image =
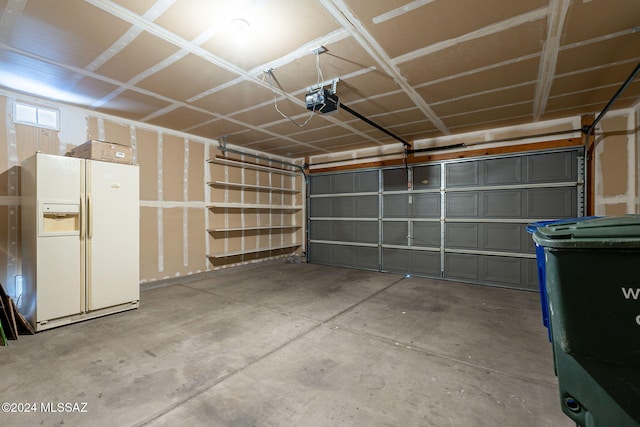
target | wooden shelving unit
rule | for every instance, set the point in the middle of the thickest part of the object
(253, 166)
(265, 202)
(275, 227)
(250, 186)
(253, 206)
(252, 251)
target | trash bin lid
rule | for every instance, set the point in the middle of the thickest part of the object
(531, 228)
(605, 232)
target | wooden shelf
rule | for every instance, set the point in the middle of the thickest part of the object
(270, 199)
(253, 166)
(251, 186)
(274, 227)
(253, 251)
(254, 206)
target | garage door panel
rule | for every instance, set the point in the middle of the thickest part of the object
(461, 266)
(343, 206)
(366, 207)
(365, 181)
(394, 179)
(320, 207)
(552, 203)
(354, 231)
(395, 206)
(349, 182)
(344, 231)
(361, 257)
(320, 230)
(530, 246)
(477, 236)
(462, 204)
(512, 272)
(345, 256)
(320, 184)
(425, 205)
(366, 232)
(421, 263)
(395, 233)
(501, 204)
(503, 171)
(426, 177)
(506, 237)
(530, 275)
(500, 269)
(463, 174)
(395, 260)
(426, 264)
(354, 182)
(342, 183)
(366, 258)
(552, 167)
(461, 236)
(426, 234)
(498, 237)
(320, 253)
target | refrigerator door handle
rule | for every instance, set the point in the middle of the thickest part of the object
(89, 219)
(81, 225)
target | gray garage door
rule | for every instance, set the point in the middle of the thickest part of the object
(462, 220)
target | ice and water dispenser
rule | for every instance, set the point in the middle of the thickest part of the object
(59, 218)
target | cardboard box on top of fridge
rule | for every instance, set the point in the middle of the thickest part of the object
(103, 150)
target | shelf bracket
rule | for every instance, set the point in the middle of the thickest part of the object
(222, 146)
(223, 143)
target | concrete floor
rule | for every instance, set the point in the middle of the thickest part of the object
(295, 345)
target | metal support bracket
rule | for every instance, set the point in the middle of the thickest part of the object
(333, 83)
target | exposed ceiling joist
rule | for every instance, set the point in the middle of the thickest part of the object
(8, 19)
(419, 68)
(166, 35)
(498, 27)
(549, 58)
(302, 51)
(341, 13)
(394, 13)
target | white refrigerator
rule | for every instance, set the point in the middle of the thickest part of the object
(80, 239)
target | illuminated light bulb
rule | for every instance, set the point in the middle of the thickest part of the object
(240, 25)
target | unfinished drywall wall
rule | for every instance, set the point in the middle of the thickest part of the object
(174, 218)
(17, 142)
(172, 238)
(177, 236)
(616, 164)
(392, 154)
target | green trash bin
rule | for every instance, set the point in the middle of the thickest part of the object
(593, 289)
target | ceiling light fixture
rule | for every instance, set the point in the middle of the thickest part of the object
(240, 25)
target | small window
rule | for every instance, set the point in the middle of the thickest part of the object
(36, 116)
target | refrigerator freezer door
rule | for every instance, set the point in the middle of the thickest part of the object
(113, 211)
(59, 291)
(58, 271)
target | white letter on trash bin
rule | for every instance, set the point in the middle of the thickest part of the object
(638, 319)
